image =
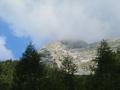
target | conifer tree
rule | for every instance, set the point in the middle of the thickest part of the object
(105, 59)
(28, 71)
(68, 66)
(117, 62)
(105, 67)
(1, 86)
(69, 69)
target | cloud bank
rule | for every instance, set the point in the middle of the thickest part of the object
(88, 20)
(5, 53)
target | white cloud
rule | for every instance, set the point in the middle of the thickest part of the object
(89, 20)
(5, 53)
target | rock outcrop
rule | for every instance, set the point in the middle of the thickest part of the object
(82, 53)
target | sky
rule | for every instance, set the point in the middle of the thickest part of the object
(42, 21)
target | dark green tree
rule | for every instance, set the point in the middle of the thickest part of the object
(1, 85)
(69, 69)
(52, 79)
(116, 75)
(117, 62)
(105, 67)
(68, 66)
(6, 76)
(28, 71)
(105, 59)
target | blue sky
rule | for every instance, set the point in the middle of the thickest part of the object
(17, 45)
(43, 21)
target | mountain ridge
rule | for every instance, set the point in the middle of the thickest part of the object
(82, 52)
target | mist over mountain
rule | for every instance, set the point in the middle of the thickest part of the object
(74, 44)
(82, 52)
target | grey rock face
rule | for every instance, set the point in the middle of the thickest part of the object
(82, 53)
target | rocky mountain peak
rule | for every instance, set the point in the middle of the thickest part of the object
(82, 52)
